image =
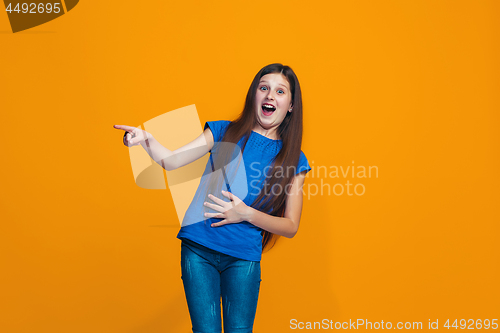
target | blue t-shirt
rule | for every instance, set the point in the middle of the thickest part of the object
(241, 240)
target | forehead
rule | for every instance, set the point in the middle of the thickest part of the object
(275, 78)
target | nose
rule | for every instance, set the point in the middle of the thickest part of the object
(270, 95)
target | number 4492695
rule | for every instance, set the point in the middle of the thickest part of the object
(472, 324)
(33, 8)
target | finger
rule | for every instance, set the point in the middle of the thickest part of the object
(217, 200)
(124, 127)
(125, 139)
(129, 142)
(218, 224)
(134, 143)
(135, 139)
(228, 195)
(234, 199)
(215, 207)
(215, 215)
(139, 136)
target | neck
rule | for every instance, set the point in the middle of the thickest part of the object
(268, 133)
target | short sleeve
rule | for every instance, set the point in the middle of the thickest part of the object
(218, 128)
(303, 164)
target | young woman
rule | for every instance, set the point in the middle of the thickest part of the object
(223, 235)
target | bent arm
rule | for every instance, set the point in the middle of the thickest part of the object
(289, 224)
(171, 160)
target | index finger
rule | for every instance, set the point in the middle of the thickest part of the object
(124, 127)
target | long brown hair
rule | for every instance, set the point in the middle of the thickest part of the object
(289, 131)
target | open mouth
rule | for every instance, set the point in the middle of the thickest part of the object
(268, 109)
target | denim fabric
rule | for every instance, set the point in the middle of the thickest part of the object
(207, 276)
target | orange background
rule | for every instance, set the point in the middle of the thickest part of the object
(408, 86)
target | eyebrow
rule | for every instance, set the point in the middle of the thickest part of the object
(278, 84)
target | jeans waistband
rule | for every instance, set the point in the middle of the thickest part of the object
(190, 243)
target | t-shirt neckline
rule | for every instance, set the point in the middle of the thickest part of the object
(279, 140)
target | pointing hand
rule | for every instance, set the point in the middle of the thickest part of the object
(133, 136)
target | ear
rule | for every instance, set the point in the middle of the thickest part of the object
(290, 108)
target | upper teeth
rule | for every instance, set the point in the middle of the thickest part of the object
(268, 106)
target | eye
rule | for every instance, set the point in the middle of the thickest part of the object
(263, 87)
(281, 91)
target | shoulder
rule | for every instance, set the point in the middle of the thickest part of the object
(217, 127)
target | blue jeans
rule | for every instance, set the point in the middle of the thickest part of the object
(207, 276)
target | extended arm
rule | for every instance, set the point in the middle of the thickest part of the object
(169, 160)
